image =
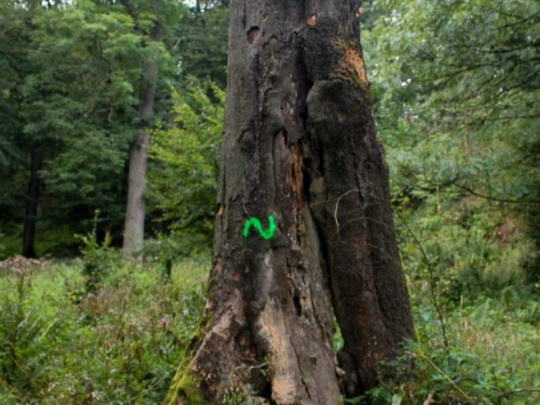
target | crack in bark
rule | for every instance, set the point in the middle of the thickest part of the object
(304, 384)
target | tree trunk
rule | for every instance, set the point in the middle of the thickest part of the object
(138, 157)
(29, 233)
(299, 151)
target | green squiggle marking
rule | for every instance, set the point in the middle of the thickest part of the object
(253, 221)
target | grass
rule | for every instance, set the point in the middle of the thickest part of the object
(119, 344)
(491, 314)
(100, 331)
(492, 356)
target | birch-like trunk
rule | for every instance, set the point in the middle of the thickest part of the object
(138, 157)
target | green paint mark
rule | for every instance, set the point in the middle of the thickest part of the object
(268, 234)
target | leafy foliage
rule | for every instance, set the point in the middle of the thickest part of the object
(82, 98)
(183, 177)
(453, 84)
(70, 89)
(202, 41)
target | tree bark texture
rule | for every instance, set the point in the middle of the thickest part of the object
(138, 157)
(30, 216)
(299, 145)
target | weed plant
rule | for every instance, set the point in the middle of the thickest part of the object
(119, 343)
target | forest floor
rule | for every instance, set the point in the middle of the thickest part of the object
(71, 333)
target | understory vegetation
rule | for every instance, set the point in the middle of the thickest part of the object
(477, 318)
(115, 340)
(96, 330)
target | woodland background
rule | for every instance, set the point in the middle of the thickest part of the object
(455, 86)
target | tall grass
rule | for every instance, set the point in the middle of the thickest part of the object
(116, 344)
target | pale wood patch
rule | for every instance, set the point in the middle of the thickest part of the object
(354, 60)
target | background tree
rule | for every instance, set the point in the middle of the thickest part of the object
(199, 44)
(84, 60)
(201, 41)
(72, 91)
(299, 153)
(16, 23)
(460, 124)
(138, 157)
(184, 167)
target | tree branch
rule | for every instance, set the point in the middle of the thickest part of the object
(492, 198)
(516, 392)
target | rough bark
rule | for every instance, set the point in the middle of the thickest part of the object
(30, 216)
(138, 158)
(299, 145)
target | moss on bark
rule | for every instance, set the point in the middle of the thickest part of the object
(185, 387)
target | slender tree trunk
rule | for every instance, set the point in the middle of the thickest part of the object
(299, 150)
(138, 157)
(136, 208)
(29, 234)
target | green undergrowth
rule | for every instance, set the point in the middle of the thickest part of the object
(474, 295)
(99, 331)
(492, 357)
(474, 290)
(119, 342)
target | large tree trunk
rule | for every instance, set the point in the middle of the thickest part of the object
(30, 217)
(138, 157)
(299, 149)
